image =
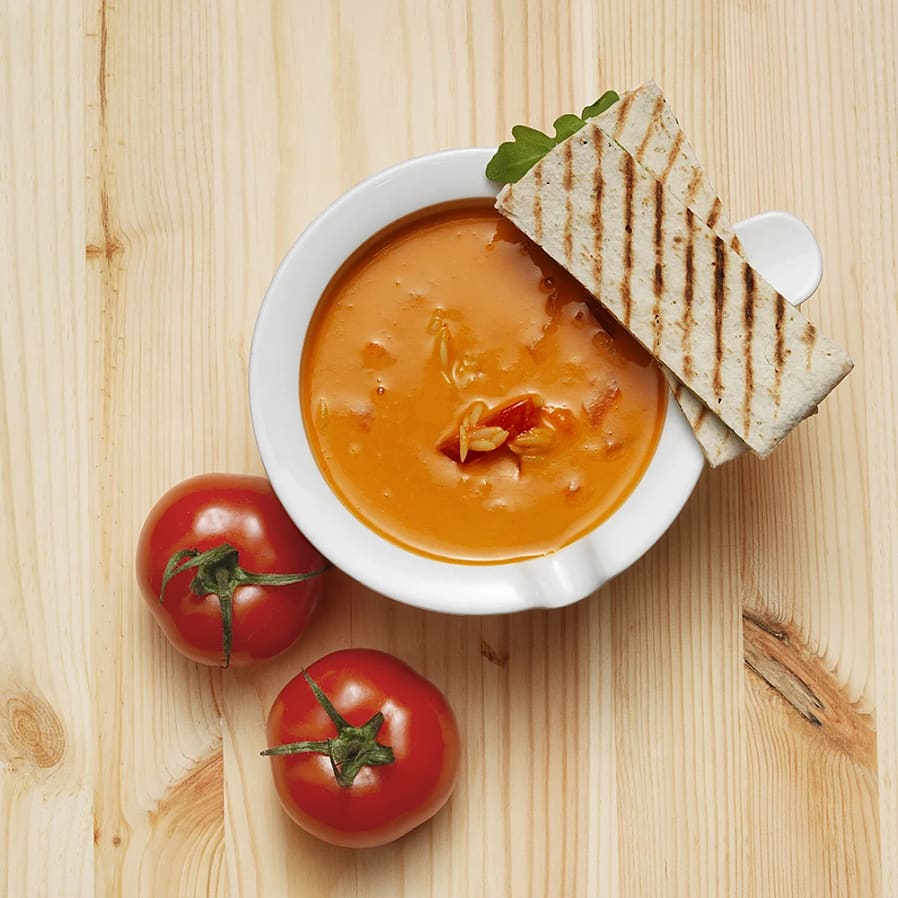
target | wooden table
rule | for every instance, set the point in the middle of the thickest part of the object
(722, 720)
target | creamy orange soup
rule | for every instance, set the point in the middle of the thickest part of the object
(419, 343)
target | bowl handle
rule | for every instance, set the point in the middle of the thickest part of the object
(783, 249)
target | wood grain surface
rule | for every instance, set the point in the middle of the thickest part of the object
(721, 720)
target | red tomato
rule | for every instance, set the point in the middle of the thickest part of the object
(231, 543)
(516, 418)
(371, 756)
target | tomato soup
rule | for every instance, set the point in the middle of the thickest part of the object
(466, 398)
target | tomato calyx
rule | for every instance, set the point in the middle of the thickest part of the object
(218, 573)
(350, 750)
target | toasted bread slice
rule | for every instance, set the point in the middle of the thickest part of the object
(679, 288)
(643, 123)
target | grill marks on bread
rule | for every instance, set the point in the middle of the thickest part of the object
(688, 296)
(779, 356)
(658, 282)
(646, 127)
(672, 157)
(694, 184)
(568, 184)
(626, 292)
(656, 112)
(623, 110)
(729, 361)
(714, 214)
(808, 338)
(595, 219)
(748, 319)
(720, 272)
(538, 203)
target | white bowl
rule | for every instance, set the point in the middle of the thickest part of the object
(552, 580)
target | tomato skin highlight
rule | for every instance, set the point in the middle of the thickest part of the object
(385, 802)
(206, 511)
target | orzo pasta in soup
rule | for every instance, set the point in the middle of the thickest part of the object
(466, 398)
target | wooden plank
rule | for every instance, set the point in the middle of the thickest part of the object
(874, 75)
(158, 390)
(809, 613)
(47, 766)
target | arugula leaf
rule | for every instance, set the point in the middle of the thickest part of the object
(565, 126)
(606, 101)
(514, 158)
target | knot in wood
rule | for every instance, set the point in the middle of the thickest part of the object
(31, 730)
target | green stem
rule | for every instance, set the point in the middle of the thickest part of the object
(350, 750)
(225, 595)
(218, 573)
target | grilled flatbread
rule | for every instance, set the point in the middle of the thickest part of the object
(686, 295)
(644, 125)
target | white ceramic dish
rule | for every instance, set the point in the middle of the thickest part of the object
(780, 246)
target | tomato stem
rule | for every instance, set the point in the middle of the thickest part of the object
(218, 573)
(350, 750)
(225, 595)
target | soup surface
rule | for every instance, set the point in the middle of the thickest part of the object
(451, 335)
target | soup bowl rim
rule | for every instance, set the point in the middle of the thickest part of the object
(552, 580)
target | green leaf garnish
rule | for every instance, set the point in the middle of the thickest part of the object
(606, 101)
(566, 125)
(514, 158)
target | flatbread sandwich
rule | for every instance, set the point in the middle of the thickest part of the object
(624, 206)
